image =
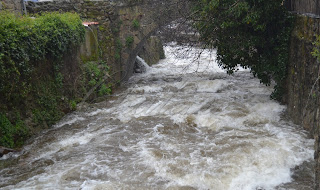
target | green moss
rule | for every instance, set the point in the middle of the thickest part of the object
(24, 41)
(91, 45)
(48, 101)
(302, 28)
(93, 14)
(129, 41)
(102, 28)
(118, 49)
(88, 3)
(117, 56)
(135, 24)
(316, 50)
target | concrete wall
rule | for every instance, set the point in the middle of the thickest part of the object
(303, 96)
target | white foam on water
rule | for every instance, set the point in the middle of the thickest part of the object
(143, 63)
(180, 125)
(211, 85)
(147, 89)
(69, 120)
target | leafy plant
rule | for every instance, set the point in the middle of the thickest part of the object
(316, 50)
(73, 105)
(135, 24)
(105, 90)
(251, 33)
(12, 135)
(24, 42)
(95, 74)
(30, 78)
(129, 41)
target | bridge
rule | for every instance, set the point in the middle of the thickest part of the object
(125, 26)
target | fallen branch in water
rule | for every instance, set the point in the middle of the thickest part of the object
(94, 88)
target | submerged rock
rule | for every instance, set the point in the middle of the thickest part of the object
(4, 150)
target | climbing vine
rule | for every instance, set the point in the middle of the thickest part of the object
(31, 50)
(254, 34)
(316, 50)
(12, 135)
(25, 41)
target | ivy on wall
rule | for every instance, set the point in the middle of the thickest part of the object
(25, 41)
(31, 50)
(316, 50)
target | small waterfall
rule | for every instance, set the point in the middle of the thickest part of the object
(95, 37)
(140, 65)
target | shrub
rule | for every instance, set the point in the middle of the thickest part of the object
(12, 135)
(29, 46)
(252, 33)
(25, 41)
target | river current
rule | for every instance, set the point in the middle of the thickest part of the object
(184, 124)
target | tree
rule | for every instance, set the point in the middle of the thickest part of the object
(252, 33)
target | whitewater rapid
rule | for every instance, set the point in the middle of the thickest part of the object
(184, 124)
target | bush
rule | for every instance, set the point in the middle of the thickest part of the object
(12, 136)
(30, 79)
(95, 72)
(25, 41)
(252, 33)
(105, 90)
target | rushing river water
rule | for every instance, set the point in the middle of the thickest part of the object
(184, 124)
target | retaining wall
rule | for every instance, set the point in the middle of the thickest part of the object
(303, 93)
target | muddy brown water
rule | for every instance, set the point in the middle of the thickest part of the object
(184, 124)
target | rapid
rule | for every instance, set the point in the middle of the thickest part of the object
(184, 124)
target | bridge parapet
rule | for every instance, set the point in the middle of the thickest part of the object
(124, 25)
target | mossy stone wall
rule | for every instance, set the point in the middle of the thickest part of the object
(124, 28)
(303, 84)
(11, 5)
(304, 6)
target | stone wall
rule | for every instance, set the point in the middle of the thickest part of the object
(120, 40)
(303, 96)
(11, 5)
(304, 6)
(152, 51)
(103, 12)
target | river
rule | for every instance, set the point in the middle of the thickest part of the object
(184, 124)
